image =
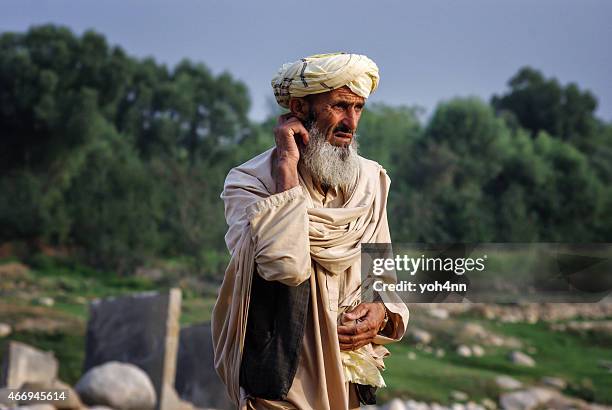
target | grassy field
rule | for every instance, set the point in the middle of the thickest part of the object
(61, 327)
(424, 376)
(570, 357)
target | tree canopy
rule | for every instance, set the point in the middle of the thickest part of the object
(123, 159)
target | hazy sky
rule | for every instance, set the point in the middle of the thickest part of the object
(427, 50)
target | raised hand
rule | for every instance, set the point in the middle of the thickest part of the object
(288, 131)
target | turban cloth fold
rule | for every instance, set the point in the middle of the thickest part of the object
(325, 72)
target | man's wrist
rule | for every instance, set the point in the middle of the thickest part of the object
(385, 321)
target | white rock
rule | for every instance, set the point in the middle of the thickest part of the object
(525, 399)
(489, 404)
(28, 364)
(46, 301)
(543, 394)
(457, 395)
(508, 383)
(395, 404)
(71, 401)
(521, 359)
(464, 351)
(496, 340)
(473, 331)
(416, 405)
(510, 318)
(5, 329)
(420, 336)
(121, 386)
(605, 364)
(478, 350)
(408, 405)
(440, 352)
(555, 382)
(412, 355)
(470, 405)
(519, 400)
(489, 314)
(438, 313)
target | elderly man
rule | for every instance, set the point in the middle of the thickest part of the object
(297, 215)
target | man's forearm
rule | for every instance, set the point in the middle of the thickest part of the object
(286, 176)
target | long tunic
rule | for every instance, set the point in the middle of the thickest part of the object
(319, 381)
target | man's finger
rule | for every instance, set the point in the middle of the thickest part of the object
(357, 313)
(357, 327)
(347, 329)
(357, 337)
(305, 137)
(354, 346)
(296, 126)
(348, 339)
(344, 339)
(355, 342)
(364, 326)
(299, 129)
(283, 118)
(346, 346)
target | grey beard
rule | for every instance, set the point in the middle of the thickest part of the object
(329, 165)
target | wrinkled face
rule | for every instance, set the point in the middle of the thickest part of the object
(336, 114)
(331, 121)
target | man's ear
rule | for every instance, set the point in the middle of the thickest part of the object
(300, 107)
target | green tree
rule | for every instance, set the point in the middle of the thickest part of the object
(119, 157)
(541, 104)
(461, 151)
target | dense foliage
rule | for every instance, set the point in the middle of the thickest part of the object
(122, 160)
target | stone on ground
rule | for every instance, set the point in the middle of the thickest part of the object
(121, 386)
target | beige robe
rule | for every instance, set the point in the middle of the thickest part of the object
(297, 235)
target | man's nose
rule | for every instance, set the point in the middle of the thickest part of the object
(351, 118)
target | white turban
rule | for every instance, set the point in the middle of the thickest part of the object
(325, 72)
